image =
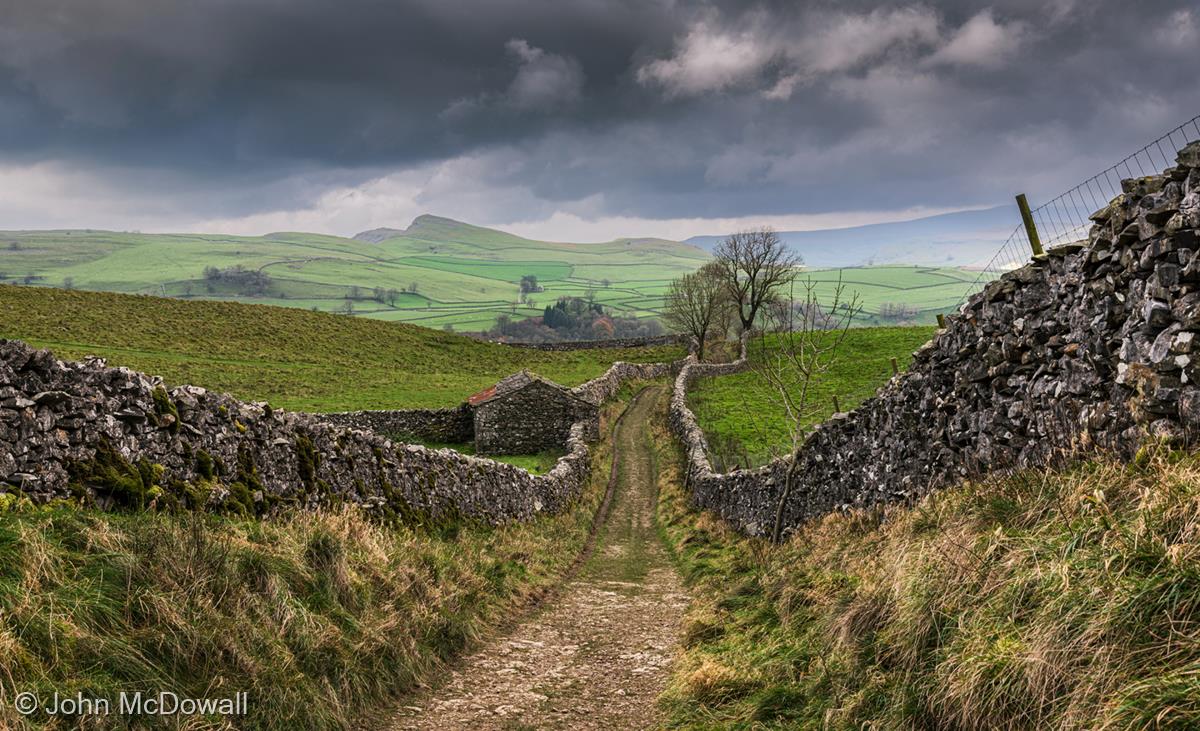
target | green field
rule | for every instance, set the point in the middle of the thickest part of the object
(923, 291)
(444, 273)
(292, 358)
(447, 273)
(742, 422)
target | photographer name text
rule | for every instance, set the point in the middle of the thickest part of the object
(164, 703)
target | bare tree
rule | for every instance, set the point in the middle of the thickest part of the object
(755, 265)
(793, 360)
(693, 303)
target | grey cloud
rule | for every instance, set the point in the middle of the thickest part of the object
(544, 80)
(615, 107)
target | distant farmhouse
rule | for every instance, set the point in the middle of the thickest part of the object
(525, 414)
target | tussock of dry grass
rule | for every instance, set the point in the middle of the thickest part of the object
(1067, 599)
(315, 616)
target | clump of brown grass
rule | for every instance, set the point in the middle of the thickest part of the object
(1051, 599)
(711, 682)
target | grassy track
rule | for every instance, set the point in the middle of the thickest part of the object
(1064, 600)
(293, 358)
(597, 656)
(742, 421)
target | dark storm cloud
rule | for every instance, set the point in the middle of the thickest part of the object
(265, 81)
(653, 109)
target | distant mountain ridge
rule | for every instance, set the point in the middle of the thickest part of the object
(423, 222)
(376, 235)
(428, 227)
(963, 238)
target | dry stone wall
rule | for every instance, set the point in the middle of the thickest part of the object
(457, 425)
(447, 426)
(601, 389)
(112, 437)
(1094, 346)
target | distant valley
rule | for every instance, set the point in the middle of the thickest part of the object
(438, 272)
(446, 274)
(960, 239)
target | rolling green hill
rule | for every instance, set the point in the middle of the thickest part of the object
(443, 272)
(292, 358)
(437, 273)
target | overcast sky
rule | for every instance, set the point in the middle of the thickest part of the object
(570, 120)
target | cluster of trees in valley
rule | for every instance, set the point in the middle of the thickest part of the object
(243, 281)
(572, 319)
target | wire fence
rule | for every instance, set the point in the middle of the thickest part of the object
(1064, 218)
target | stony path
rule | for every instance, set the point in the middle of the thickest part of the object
(599, 655)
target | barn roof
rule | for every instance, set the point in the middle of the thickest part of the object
(512, 384)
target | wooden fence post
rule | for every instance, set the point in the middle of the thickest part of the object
(895, 367)
(837, 408)
(1030, 229)
(941, 321)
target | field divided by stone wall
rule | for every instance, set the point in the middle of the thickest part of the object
(116, 437)
(1087, 348)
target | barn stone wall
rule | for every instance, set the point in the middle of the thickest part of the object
(457, 425)
(1094, 346)
(534, 418)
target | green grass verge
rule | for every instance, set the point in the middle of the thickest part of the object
(325, 619)
(292, 358)
(1056, 599)
(744, 424)
(538, 464)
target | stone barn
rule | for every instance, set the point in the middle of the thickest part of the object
(526, 414)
